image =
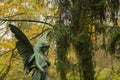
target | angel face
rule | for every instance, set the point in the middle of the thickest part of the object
(44, 47)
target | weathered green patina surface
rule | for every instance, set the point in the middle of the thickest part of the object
(33, 58)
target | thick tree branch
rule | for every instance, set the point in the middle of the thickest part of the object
(27, 21)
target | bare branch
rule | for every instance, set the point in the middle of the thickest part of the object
(27, 21)
(7, 51)
(2, 23)
(39, 34)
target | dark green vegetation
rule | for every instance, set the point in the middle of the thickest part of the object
(83, 15)
(86, 28)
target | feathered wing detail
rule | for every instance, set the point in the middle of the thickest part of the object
(24, 47)
(39, 49)
(41, 60)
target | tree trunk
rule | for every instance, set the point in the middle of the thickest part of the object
(83, 51)
(81, 39)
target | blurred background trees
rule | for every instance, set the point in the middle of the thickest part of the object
(84, 37)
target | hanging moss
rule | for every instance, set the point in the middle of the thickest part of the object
(115, 37)
(62, 46)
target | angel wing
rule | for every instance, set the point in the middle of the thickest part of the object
(24, 47)
(41, 60)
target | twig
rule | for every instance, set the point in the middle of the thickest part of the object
(2, 23)
(7, 51)
(39, 34)
(6, 69)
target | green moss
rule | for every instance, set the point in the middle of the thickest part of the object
(73, 79)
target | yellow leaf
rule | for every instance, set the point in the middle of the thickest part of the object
(40, 7)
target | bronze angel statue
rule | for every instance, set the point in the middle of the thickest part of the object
(34, 58)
